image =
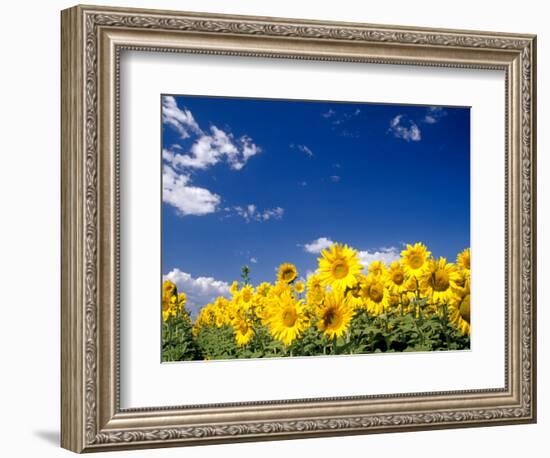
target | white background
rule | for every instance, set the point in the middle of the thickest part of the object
(29, 245)
(146, 75)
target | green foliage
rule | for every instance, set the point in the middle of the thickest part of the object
(178, 343)
(393, 331)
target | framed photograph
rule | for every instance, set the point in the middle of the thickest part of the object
(277, 228)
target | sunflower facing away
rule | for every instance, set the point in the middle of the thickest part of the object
(415, 258)
(287, 273)
(335, 314)
(339, 266)
(286, 318)
(315, 291)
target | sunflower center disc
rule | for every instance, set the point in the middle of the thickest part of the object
(376, 293)
(416, 261)
(440, 281)
(340, 270)
(289, 318)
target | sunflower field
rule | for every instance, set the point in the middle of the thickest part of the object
(417, 303)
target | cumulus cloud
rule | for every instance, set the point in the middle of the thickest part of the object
(318, 245)
(254, 260)
(199, 291)
(303, 148)
(386, 255)
(251, 213)
(187, 199)
(182, 121)
(405, 128)
(207, 148)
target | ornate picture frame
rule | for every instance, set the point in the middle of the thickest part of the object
(93, 39)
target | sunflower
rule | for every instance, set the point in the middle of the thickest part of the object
(182, 299)
(463, 259)
(315, 291)
(299, 287)
(459, 313)
(354, 293)
(415, 258)
(335, 314)
(263, 289)
(377, 268)
(169, 299)
(338, 266)
(375, 294)
(287, 273)
(234, 288)
(286, 318)
(439, 279)
(166, 313)
(244, 330)
(246, 294)
(396, 276)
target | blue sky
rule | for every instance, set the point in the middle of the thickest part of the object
(261, 182)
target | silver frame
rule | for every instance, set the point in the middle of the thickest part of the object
(92, 40)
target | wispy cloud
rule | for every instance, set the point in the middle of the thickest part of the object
(187, 199)
(318, 245)
(199, 291)
(303, 148)
(339, 119)
(182, 121)
(254, 260)
(405, 128)
(434, 114)
(335, 178)
(251, 213)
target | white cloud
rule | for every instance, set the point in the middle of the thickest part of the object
(187, 199)
(405, 128)
(434, 115)
(303, 148)
(386, 255)
(251, 213)
(182, 121)
(328, 114)
(208, 150)
(254, 260)
(335, 178)
(322, 243)
(199, 291)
